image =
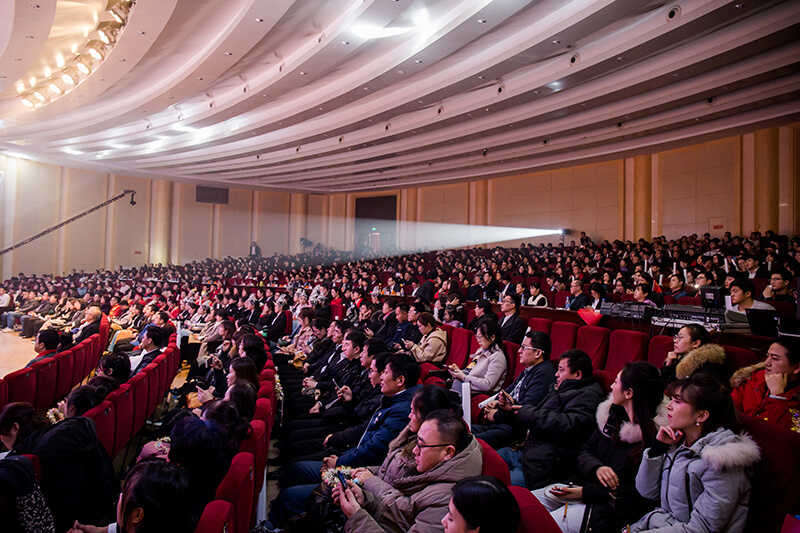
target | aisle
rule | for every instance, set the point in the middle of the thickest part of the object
(14, 352)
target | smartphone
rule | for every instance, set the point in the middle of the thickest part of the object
(558, 491)
(342, 480)
(508, 397)
(336, 385)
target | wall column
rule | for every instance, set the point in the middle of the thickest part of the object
(160, 225)
(254, 218)
(642, 196)
(9, 198)
(406, 224)
(61, 242)
(298, 221)
(766, 179)
(174, 241)
(108, 213)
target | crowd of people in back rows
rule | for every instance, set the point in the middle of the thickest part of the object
(364, 445)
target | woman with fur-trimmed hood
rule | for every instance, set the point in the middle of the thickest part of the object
(693, 353)
(698, 466)
(608, 462)
(771, 390)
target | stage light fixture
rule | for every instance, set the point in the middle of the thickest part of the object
(108, 31)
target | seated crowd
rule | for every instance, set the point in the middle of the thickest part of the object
(371, 432)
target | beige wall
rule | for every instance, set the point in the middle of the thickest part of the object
(736, 184)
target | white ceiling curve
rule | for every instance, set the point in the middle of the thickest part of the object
(359, 95)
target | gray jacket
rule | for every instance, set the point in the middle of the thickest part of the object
(715, 470)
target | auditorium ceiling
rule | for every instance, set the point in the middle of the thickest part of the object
(326, 96)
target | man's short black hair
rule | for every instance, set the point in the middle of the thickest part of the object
(744, 284)
(404, 307)
(541, 340)
(451, 427)
(515, 299)
(578, 360)
(155, 333)
(49, 338)
(403, 364)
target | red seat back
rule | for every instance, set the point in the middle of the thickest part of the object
(511, 349)
(458, 346)
(775, 492)
(560, 299)
(22, 386)
(65, 363)
(594, 341)
(736, 358)
(163, 371)
(153, 384)
(660, 346)
(218, 517)
(786, 309)
(288, 329)
(690, 300)
(263, 411)
(105, 328)
(237, 488)
(605, 378)
(3, 393)
(564, 336)
(624, 347)
(533, 515)
(103, 416)
(79, 361)
(337, 311)
(122, 399)
(139, 389)
(92, 355)
(544, 325)
(256, 444)
(46, 374)
(494, 465)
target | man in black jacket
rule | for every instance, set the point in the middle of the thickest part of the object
(512, 324)
(577, 299)
(151, 342)
(427, 289)
(529, 388)
(558, 426)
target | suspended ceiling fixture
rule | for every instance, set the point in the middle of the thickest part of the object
(354, 95)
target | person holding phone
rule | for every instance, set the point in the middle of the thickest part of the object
(699, 465)
(487, 367)
(627, 423)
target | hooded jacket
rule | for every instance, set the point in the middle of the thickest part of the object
(415, 503)
(704, 487)
(751, 396)
(557, 427)
(432, 348)
(708, 358)
(614, 444)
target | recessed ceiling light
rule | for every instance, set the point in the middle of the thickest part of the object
(199, 78)
(418, 61)
(556, 41)
(121, 59)
(140, 32)
(366, 88)
(29, 36)
(259, 19)
(481, 21)
(345, 42)
(620, 58)
(480, 77)
(304, 73)
(401, 72)
(228, 53)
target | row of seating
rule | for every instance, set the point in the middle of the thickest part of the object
(237, 497)
(48, 381)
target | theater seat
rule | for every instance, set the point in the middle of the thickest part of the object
(237, 488)
(103, 417)
(775, 491)
(263, 411)
(22, 386)
(494, 465)
(257, 444)
(540, 324)
(659, 347)
(122, 398)
(564, 335)
(79, 356)
(46, 374)
(218, 517)
(511, 351)
(594, 341)
(736, 358)
(625, 347)
(534, 518)
(3, 393)
(139, 388)
(560, 299)
(65, 363)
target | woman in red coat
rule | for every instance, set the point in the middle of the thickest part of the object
(771, 390)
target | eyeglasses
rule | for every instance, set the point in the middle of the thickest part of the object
(529, 348)
(421, 446)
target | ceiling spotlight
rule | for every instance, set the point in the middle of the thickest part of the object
(70, 76)
(120, 10)
(27, 102)
(97, 49)
(40, 96)
(108, 31)
(84, 64)
(56, 86)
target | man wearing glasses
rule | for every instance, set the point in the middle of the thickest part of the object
(445, 452)
(779, 289)
(512, 324)
(530, 387)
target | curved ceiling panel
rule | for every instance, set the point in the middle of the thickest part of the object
(320, 96)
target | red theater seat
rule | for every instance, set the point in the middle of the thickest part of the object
(237, 488)
(494, 465)
(65, 363)
(22, 386)
(564, 336)
(534, 518)
(660, 346)
(122, 399)
(545, 325)
(218, 517)
(139, 388)
(46, 374)
(103, 417)
(594, 341)
(625, 347)
(3, 393)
